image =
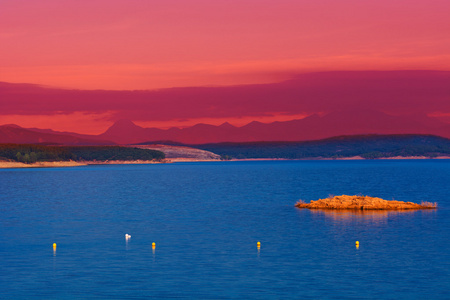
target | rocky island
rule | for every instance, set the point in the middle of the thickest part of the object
(363, 203)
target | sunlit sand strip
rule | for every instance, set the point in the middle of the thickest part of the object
(54, 164)
(44, 164)
(188, 159)
(126, 162)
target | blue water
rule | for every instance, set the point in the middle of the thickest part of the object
(206, 219)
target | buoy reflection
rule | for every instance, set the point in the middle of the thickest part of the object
(127, 238)
(258, 247)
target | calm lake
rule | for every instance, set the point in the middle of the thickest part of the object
(206, 220)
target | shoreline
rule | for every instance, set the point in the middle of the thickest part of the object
(42, 164)
(56, 164)
(126, 162)
(60, 164)
(344, 158)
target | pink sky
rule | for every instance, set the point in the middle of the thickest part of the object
(122, 44)
(134, 44)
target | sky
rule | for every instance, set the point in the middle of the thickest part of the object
(154, 45)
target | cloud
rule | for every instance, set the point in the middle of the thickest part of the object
(395, 92)
(127, 76)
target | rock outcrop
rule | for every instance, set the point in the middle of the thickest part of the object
(363, 203)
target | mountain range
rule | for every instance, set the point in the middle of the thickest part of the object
(313, 127)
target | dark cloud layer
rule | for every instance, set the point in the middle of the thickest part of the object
(395, 92)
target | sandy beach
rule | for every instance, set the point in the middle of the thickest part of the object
(44, 164)
(55, 164)
(126, 162)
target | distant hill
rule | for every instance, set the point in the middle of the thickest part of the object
(366, 146)
(349, 122)
(310, 128)
(362, 122)
(17, 135)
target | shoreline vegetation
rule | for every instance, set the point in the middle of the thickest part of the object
(32, 156)
(71, 163)
(42, 156)
(346, 202)
(341, 147)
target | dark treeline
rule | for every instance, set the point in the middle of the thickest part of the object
(33, 153)
(366, 146)
(102, 153)
(36, 153)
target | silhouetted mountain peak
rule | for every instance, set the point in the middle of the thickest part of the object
(227, 125)
(122, 126)
(125, 123)
(11, 125)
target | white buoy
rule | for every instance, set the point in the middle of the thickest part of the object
(127, 236)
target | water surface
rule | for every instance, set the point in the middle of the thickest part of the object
(206, 219)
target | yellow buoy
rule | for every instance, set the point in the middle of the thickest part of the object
(258, 244)
(153, 245)
(357, 244)
(54, 245)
